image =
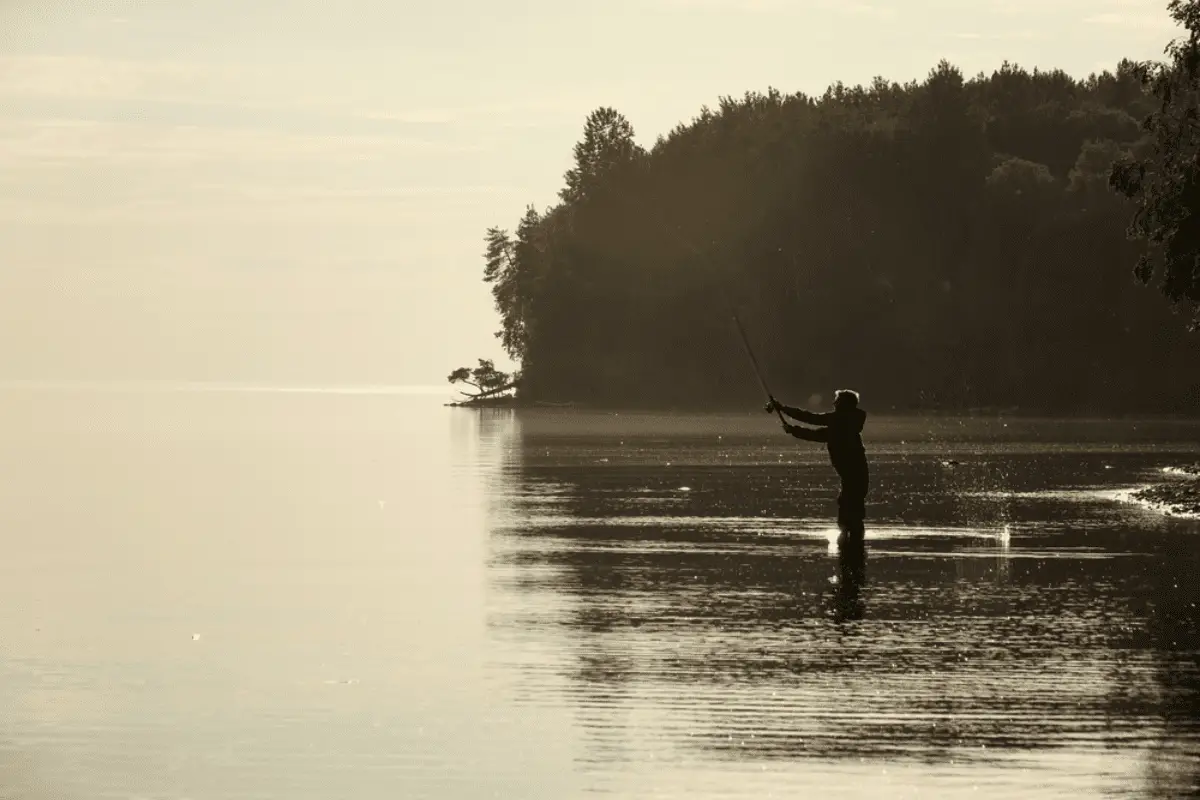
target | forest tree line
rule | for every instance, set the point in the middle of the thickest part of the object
(947, 243)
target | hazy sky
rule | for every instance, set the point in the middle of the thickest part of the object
(296, 191)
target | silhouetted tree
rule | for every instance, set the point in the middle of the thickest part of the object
(503, 272)
(485, 378)
(607, 144)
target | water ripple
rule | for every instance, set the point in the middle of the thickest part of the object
(1000, 613)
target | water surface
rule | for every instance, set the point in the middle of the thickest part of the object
(314, 594)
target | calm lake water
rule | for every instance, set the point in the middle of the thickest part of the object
(257, 594)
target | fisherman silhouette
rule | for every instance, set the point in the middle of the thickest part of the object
(841, 431)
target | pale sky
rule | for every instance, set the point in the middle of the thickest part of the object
(296, 191)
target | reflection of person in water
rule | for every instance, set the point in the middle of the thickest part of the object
(841, 431)
(852, 574)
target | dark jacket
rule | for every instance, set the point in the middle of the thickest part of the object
(841, 431)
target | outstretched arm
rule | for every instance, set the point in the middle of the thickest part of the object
(806, 416)
(808, 434)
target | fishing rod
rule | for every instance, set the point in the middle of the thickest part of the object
(757, 372)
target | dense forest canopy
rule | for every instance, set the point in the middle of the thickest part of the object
(947, 243)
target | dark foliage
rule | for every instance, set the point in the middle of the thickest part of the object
(1164, 181)
(944, 244)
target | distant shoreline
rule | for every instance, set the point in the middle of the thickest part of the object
(446, 395)
(981, 413)
(169, 386)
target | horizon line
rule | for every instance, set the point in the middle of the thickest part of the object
(225, 386)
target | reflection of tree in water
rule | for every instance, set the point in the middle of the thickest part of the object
(759, 645)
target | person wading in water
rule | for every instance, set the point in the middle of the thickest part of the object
(841, 431)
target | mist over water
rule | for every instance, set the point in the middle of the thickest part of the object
(265, 594)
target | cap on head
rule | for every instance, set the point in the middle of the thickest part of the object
(845, 398)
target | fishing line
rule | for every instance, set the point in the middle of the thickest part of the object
(732, 312)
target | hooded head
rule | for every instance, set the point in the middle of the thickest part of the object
(845, 404)
(845, 399)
